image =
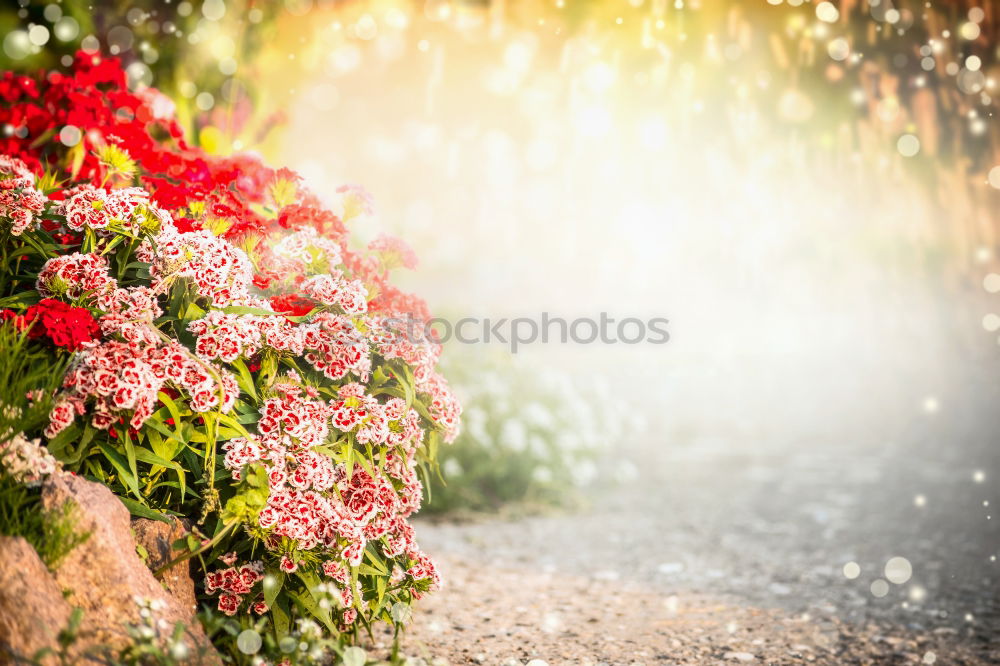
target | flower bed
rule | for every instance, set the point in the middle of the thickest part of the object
(231, 358)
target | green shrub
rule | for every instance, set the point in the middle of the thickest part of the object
(531, 437)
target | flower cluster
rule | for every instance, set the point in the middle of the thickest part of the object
(234, 583)
(234, 360)
(442, 405)
(64, 325)
(228, 337)
(126, 210)
(222, 273)
(26, 460)
(117, 379)
(315, 504)
(19, 200)
(393, 252)
(349, 295)
(306, 247)
(335, 348)
(75, 276)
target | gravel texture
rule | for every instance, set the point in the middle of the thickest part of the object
(731, 542)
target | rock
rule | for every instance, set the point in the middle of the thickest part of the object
(32, 610)
(157, 539)
(105, 576)
(739, 656)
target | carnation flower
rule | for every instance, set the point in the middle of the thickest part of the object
(220, 272)
(292, 305)
(229, 603)
(78, 277)
(127, 210)
(19, 200)
(177, 343)
(124, 378)
(64, 325)
(393, 252)
(27, 461)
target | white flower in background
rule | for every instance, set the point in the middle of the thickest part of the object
(452, 468)
(475, 421)
(27, 461)
(584, 473)
(476, 414)
(538, 447)
(513, 435)
(542, 475)
(538, 415)
(493, 384)
(548, 432)
(501, 406)
(568, 440)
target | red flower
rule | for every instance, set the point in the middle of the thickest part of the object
(67, 326)
(292, 304)
(264, 279)
(229, 603)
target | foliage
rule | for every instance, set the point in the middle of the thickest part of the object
(531, 437)
(183, 48)
(52, 532)
(230, 357)
(25, 369)
(151, 641)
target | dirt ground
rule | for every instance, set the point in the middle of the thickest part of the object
(772, 503)
(760, 537)
(506, 617)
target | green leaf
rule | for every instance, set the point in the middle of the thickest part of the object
(130, 452)
(244, 379)
(121, 466)
(376, 561)
(244, 309)
(309, 605)
(234, 424)
(281, 617)
(175, 412)
(349, 458)
(147, 456)
(354, 586)
(365, 570)
(143, 511)
(164, 430)
(271, 591)
(58, 444)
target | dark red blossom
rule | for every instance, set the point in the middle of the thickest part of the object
(65, 325)
(292, 304)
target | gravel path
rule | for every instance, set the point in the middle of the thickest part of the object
(731, 545)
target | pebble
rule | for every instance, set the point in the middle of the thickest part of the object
(739, 656)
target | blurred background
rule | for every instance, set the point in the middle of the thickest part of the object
(808, 191)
